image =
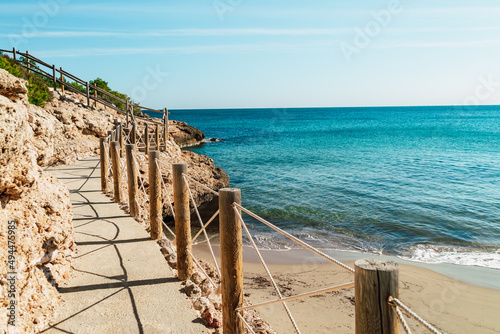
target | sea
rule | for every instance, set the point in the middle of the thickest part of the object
(419, 183)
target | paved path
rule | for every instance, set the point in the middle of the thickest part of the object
(120, 283)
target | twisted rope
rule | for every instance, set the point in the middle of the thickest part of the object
(297, 240)
(205, 226)
(401, 319)
(167, 194)
(394, 301)
(204, 186)
(201, 268)
(139, 174)
(278, 292)
(201, 224)
(246, 323)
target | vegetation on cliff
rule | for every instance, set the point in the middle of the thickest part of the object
(38, 91)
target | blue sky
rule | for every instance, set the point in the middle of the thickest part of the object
(241, 53)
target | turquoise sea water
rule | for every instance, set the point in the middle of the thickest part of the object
(422, 183)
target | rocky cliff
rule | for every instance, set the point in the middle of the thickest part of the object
(60, 133)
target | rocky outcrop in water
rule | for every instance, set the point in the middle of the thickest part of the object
(184, 134)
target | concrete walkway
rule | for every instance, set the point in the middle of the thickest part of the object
(120, 283)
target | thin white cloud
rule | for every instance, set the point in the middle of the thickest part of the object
(455, 44)
(242, 32)
(188, 33)
(230, 48)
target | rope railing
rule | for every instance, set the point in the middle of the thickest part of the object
(167, 193)
(368, 283)
(397, 303)
(278, 292)
(296, 240)
(246, 323)
(201, 224)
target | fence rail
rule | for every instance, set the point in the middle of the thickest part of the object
(377, 307)
(57, 77)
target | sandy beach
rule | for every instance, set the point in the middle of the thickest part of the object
(450, 305)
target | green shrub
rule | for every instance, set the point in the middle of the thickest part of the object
(100, 83)
(38, 91)
(8, 64)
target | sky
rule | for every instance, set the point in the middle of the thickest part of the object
(269, 54)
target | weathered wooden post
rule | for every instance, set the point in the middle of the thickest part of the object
(146, 137)
(88, 94)
(155, 209)
(95, 96)
(157, 137)
(133, 136)
(375, 280)
(14, 53)
(231, 260)
(165, 128)
(182, 222)
(54, 77)
(132, 181)
(121, 138)
(117, 171)
(62, 79)
(104, 165)
(111, 135)
(126, 111)
(28, 64)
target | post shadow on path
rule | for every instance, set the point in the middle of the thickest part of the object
(91, 218)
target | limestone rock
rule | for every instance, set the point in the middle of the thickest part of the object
(192, 290)
(197, 277)
(185, 135)
(201, 304)
(12, 88)
(212, 317)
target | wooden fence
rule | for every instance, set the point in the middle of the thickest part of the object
(59, 77)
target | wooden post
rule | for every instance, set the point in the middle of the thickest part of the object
(14, 53)
(95, 96)
(117, 171)
(88, 94)
(155, 209)
(127, 111)
(157, 137)
(133, 136)
(62, 79)
(121, 138)
(182, 222)
(375, 280)
(146, 137)
(231, 260)
(54, 78)
(104, 165)
(28, 64)
(110, 135)
(132, 181)
(165, 128)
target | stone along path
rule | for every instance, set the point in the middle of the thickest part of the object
(121, 282)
